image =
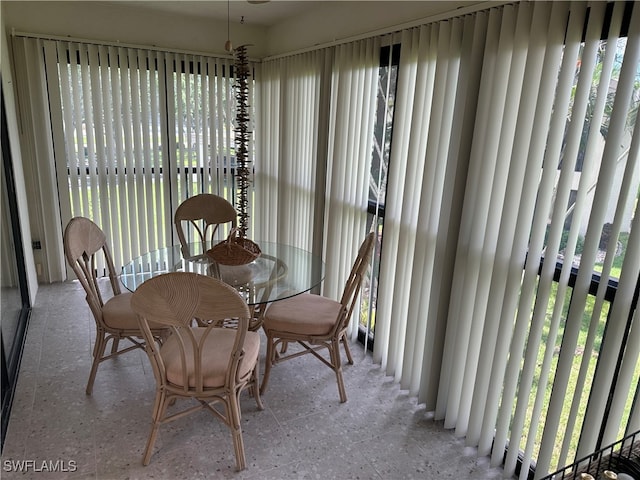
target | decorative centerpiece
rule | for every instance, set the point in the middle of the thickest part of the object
(237, 249)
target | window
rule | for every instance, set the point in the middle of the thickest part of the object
(143, 130)
(383, 130)
(579, 169)
(507, 227)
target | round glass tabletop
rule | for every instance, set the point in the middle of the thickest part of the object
(281, 271)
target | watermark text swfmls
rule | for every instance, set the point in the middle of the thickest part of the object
(25, 466)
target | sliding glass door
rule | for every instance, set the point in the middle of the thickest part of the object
(14, 298)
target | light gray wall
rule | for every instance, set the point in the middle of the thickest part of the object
(18, 172)
(336, 21)
(128, 25)
(325, 22)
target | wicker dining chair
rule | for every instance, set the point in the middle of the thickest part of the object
(203, 213)
(85, 244)
(316, 322)
(198, 360)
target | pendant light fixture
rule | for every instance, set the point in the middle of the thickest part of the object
(228, 46)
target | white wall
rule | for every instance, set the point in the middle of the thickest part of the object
(326, 21)
(18, 172)
(334, 21)
(127, 24)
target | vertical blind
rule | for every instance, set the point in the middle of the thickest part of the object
(315, 141)
(494, 179)
(350, 146)
(287, 140)
(513, 182)
(139, 131)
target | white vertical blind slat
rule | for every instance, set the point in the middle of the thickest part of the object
(55, 102)
(590, 165)
(86, 147)
(151, 153)
(391, 333)
(109, 56)
(512, 73)
(467, 272)
(127, 210)
(171, 166)
(580, 290)
(286, 172)
(97, 153)
(423, 162)
(455, 178)
(565, 186)
(136, 155)
(104, 149)
(349, 161)
(33, 59)
(442, 220)
(529, 284)
(511, 243)
(163, 177)
(76, 127)
(71, 162)
(617, 317)
(449, 338)
(631, 271)
(216, 130)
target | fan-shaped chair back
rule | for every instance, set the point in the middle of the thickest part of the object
(203, 214)
(199, 359)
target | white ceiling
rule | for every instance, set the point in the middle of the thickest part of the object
(254, 12)
(270, 12)
(274, 27)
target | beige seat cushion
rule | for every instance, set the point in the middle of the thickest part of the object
(117, 313)
(305, 314)
(215, 357)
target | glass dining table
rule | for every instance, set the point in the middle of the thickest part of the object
(281, 271)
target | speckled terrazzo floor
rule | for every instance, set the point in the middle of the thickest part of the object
(303, 433)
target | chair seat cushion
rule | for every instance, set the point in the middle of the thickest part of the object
(118, 314)
(305, 314)
(215, 357)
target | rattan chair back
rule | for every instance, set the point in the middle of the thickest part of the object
(315, 322)
(85, 248)
(198, 359)
(199, 217)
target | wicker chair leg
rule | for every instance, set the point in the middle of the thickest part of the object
(236, 430)
(115, 342)
(254, 390)
(98, 353)
(347, 349)
(160, 408)
(268, 362)
(337, 367)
